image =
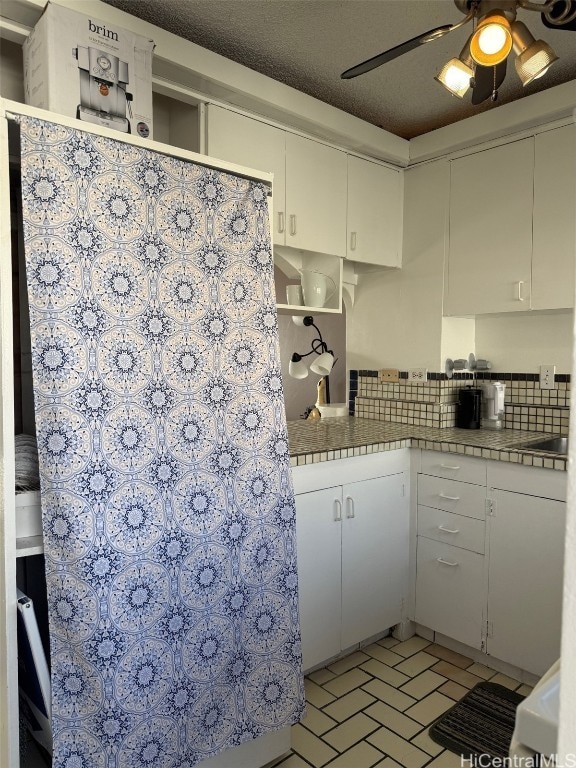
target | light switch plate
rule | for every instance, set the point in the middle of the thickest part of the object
(387, 375)
(547, 377)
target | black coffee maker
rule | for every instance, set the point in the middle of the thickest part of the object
(469, 408)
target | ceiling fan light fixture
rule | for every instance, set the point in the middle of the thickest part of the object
(455, 77)
(491, 42)
(534, 57)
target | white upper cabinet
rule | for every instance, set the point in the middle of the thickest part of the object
(511, 231)
(309, 196)
(374, 213)
(554, 230)
(315, 196)
(249, 142)
(490, 230)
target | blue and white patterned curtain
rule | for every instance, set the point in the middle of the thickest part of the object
(168, 510)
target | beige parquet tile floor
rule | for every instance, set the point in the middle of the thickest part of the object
(374, 708)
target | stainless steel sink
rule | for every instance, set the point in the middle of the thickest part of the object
(557, 445)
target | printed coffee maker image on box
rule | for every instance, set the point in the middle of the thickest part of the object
(103, 95)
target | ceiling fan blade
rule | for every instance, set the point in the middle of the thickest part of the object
(398, 50)
(486, 82)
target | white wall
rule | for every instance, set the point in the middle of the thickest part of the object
(458, 338)
(521, 343)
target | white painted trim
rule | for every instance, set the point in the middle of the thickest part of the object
(498, 142)
(288, 129)
(173, 91)
(353, 469)
(9, 743)
(13, 31)
(529, 112)
(13, 108)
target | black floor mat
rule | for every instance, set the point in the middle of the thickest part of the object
(481, 723)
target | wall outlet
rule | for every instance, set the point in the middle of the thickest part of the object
(417, 374)
(388, 375)
(547, 374)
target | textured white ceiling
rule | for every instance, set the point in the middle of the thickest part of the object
(308, 43)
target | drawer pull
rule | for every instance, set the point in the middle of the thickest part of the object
(350, 512)
(449, 498)
(446, 562)
(448, 530)
(337, 510)
(449, 466)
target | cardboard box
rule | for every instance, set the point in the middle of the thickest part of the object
(81, 67)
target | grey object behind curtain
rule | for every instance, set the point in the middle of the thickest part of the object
(168, 510)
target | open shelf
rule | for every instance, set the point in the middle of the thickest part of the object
(292, 262)
(288, 309)
(29, 545)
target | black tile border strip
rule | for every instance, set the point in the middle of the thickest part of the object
(463, 375)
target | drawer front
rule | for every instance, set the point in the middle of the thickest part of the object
(457, 530)
(454, 466)
(452, 496)
(450, 591)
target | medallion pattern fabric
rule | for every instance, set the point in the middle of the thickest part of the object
(168, 510)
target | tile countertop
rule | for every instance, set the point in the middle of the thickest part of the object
(339, 438)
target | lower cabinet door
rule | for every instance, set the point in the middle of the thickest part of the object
(375, 563)
(450, 591)
(525, 580)
(319, 536)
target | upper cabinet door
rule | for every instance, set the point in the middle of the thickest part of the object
(554, 229)
(490, 231)
(257, 145)
(315, 196)
(374, 213)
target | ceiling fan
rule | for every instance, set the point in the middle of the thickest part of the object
(481, 64)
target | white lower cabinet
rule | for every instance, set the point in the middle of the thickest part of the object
(450, 563)
(353, 555)
(526, 544)
(319, 545)
(491, 579)
(375, 531)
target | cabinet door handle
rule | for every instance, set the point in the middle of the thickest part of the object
(446, 562)
(521, 296)
(350, 511)
(448, 530)
(292, 223)
(449, 466)
(337, 510)
(449, 498)
(352, 241)
(281, 221)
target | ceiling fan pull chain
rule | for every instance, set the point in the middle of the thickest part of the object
(494, 89)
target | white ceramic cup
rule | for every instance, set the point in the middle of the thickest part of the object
(314, 288)
(294, 295)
